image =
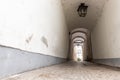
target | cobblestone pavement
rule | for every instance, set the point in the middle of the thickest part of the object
(70, 71)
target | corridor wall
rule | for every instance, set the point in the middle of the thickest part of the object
(32, 32)
(105, 36)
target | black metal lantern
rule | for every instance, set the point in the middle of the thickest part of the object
(82, 10)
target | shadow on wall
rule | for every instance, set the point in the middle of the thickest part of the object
(14, 61)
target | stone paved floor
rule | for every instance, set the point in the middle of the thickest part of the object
(70, 71)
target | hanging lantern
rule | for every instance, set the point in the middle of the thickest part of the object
(82, 10)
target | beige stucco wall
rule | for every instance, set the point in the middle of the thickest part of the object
(106, 34)
(34, 25)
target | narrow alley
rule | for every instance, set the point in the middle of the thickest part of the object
(59, 39)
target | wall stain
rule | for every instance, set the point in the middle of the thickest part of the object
(44, 40)
(29, 39)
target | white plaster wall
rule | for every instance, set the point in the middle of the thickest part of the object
(106, 34)
(34, 25)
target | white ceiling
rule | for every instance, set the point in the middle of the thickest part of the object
(74, 21)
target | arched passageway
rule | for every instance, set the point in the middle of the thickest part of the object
(78, 48)
(80, 45)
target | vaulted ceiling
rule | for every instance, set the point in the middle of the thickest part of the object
(74, 21)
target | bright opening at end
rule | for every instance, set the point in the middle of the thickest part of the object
(79, 52)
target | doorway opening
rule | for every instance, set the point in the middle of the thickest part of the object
(79, 53)
(78, 50)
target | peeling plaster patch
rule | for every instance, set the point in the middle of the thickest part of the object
(29, 39)
(44, 40)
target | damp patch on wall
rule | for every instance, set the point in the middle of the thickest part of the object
(44, 40)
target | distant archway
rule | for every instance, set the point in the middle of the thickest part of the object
(80, 45)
